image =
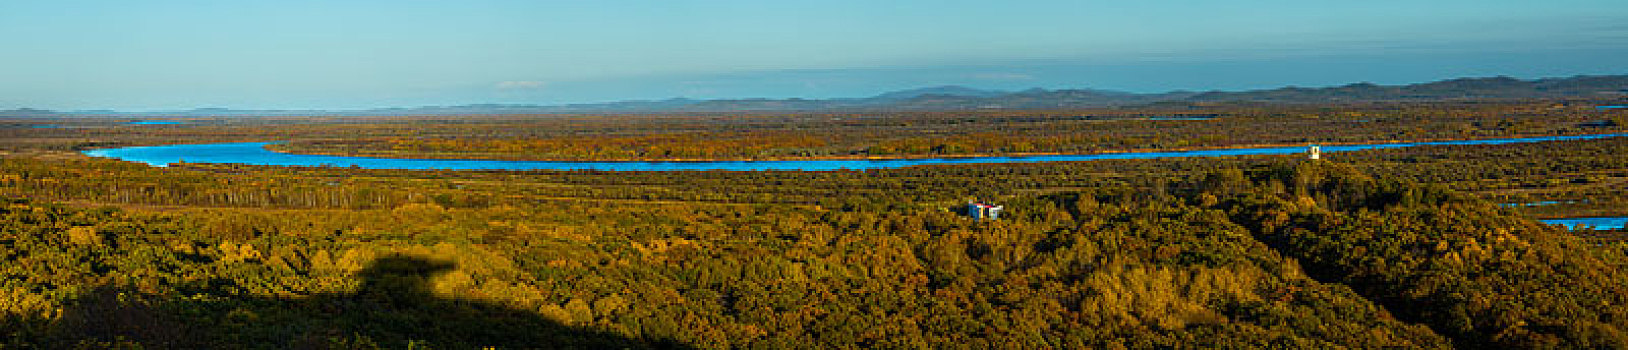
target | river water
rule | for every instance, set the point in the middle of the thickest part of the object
(1603, 223)
(255, 153)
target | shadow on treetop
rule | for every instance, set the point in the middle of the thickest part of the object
(394, 308)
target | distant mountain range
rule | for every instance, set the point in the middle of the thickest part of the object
(962, 98)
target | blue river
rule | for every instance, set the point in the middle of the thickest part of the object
(1605, 223)
(255, 153)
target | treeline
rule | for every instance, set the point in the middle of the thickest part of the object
(1583, 177)
(102, 181)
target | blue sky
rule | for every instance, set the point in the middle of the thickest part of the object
(156, 55)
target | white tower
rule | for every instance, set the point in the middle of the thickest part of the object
(1314, 153)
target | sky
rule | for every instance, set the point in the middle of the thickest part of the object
(294, 54)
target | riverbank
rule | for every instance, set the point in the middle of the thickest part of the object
(292, 148)
(1590, 223)
(256, 153)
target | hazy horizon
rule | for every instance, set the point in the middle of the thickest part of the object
(179, 55)
(1009, 90)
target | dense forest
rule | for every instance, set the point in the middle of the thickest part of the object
(1416, 247)
(1309, 254)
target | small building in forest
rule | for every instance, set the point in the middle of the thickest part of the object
(980, 211)
(1314, 152)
